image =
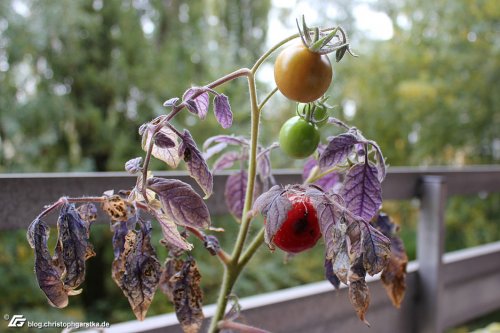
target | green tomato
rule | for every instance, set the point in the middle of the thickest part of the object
(318, 111)
(298, 137)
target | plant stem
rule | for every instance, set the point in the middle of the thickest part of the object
(267, 98)
(232, 271)
(252, 248)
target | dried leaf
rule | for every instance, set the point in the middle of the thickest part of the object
(73, 246)
(188, 297)
(211, 243)
(47, 274)
(362, 191)
(141, 274)
(199, 104)
(359, 295)
(337, 150)
(394, 275)
(376, 248)
(117, 208)
(196, 164)
(172, 267)
(274, 206)
(181, 204)
(168, 155)
(222, 111)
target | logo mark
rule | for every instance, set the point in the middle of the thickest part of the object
(17, 321)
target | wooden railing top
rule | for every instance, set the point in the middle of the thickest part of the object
(23, 195)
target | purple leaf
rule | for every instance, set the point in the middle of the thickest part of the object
(133, 166)
(227, 160)
(171, 102)
(337, 150)
(196, 164)
(264, 161)
(222, 111)
(164, 141)
(215, 149)
(330, 275)
(180, 202)
(199, 103)
(170, 233)
(229, 139)
(235, 191)
(274, 206)
(167, 155)
(362, 191)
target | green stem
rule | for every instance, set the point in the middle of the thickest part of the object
(267, 98)
(231, 272)
(251, 249)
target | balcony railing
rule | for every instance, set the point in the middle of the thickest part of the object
(443, 290)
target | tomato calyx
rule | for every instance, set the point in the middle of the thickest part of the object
(314, 112)
(300, 231)
(318, 41)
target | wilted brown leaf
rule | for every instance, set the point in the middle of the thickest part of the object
(117, 208)
(172, 267)
(48, 275)
(136, 270)
(359, 295)
(188, 297)
(394, 274)
(73, 247)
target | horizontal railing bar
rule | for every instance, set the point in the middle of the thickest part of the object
(316, 307)
(24, 195)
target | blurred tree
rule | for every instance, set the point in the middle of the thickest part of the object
(428, 94)
(79, 77)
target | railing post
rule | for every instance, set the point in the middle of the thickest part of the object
(430, 249)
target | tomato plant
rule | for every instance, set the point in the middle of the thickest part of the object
(298, 137)
(301, 74)
(296, 215)
(300, 231)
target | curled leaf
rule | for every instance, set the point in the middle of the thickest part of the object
(359, 295)
(337, 150)
(394, 274)
(171, 235)
(330, 275)
(222, 111)
(196, 164)
(172, 267)
(362, 191)
(180, 203)
(163, 141)
(188, 297)
(171, 102)
(133, 166)
(199, 104)
(137, 271)
(117, 208)
(274, 206)
(73, 246)
(47, 274)
(211, 243)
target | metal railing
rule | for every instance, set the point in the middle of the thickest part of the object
(443, 290)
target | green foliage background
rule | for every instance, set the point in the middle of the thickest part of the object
(79, 77)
